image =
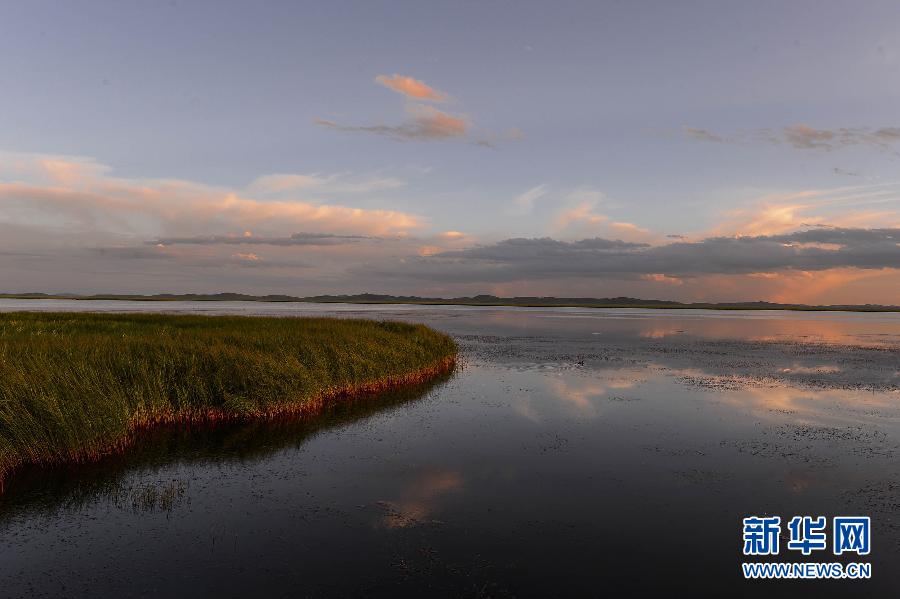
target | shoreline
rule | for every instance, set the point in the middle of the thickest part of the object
(861, 309)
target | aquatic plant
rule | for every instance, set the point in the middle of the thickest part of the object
(76, 387)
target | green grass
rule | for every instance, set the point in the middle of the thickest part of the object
(74, 387)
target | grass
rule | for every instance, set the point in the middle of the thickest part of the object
(76, 387)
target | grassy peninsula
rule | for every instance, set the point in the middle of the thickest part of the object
(74, 387)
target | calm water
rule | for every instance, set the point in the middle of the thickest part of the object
(577, 453)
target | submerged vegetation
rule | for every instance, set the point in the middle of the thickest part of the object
(74, 387)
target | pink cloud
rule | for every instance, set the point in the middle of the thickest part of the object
(411, 88)
(424, 122)
(431, 123)
(89, 199)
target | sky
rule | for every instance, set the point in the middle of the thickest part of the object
(697, 151)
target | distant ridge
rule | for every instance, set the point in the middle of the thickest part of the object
(477, 300)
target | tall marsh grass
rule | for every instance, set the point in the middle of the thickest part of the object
(74, 387)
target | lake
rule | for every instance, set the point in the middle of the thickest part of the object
(576, 452)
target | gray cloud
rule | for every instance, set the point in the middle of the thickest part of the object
(426, 123)
(544, 258)
(123, 254)
(295, 239)
(848, 238)
(805, 137)
(703, 134)
(519, 249)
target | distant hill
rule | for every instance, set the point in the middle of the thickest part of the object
(477, 300)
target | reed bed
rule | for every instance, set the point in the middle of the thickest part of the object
(76, 387)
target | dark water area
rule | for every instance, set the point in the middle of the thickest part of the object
(576, 452)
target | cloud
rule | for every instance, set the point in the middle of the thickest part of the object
(426, 123)
(767, 219)
(430, 123)
(521, 248)
(581, 214)
(70, 224)
(888, 134)
(806, 137)
(661, 278)
(411, 88)
(174, 260)
(489, 139)
(250, 239)
(813, 250)
(514, 133)
(580, 218)
(630, 230)
(856, 206)
(82, 196)
(840, 236)
(281, 183)
(525, 201)
(702, 134)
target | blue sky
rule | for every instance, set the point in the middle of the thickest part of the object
(625, 120)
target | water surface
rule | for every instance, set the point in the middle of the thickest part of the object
(577, 452)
